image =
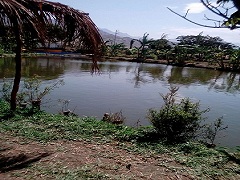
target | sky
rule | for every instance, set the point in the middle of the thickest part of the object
(136, 17)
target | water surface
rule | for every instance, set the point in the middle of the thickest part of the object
(134, 88)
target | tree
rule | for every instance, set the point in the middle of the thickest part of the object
(207, 48)
(34, 16)
(228, 10)
(144, 44)
(161, 47)
(204, 41)
(111, 48)
(161, 44)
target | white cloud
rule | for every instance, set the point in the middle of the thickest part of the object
(194, 8)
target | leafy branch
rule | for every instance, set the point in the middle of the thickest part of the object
(231, 20)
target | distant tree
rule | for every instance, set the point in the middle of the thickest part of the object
(161, 47)
(161, 44)
(204, 41)
(30, 40)
(204, 47)
(112, 48)
(144, 45)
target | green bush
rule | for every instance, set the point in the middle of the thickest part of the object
(152, 56)
(177, 122)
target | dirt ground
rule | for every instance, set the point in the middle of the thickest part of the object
(17, 155)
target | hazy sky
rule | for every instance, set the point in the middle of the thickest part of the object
(136, 17)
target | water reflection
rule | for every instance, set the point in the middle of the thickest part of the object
(46, 68)
(53, 68)
(187, 76)
(7, 66)
(146, 74)
(226, 82)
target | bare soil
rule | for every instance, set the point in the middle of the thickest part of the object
(21, 159)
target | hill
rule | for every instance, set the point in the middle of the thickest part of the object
(119, 37)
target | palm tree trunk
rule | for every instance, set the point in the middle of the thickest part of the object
(18, 67)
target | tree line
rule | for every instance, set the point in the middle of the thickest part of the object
(187, 49)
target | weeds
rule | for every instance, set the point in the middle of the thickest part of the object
(212, 130)
(65, 104)
(114, 118)
(31, 92)
(32, 88)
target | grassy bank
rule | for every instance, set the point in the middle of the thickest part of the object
(192, 158)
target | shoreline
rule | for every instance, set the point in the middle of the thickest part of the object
(205, 65)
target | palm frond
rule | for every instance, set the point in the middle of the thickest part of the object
(34, 15)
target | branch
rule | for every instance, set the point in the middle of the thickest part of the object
(202, 25)
(213, 20)
(213, 9)
(186, 13)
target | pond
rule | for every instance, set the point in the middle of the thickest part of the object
(133, 88)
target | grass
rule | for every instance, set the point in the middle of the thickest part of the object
(46, 127)
(43, 127)
(63, 173)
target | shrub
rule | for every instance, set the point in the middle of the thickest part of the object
(177, 122)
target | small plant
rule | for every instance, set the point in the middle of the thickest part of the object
(115, 118)
(33, 85)
(213, 130)
(32, 88)
(65, 110)
(177, 122)
(31, 91)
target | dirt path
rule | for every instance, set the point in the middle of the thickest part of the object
(24, 159)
